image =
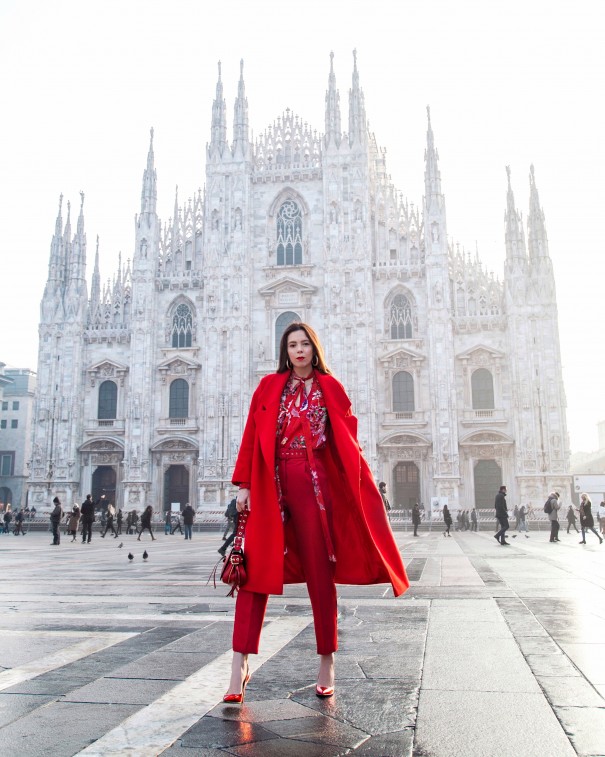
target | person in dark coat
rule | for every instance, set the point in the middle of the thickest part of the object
(87, 513)
(473, 519)
(19, 523)
(586, 518)
(447, 520)
(55, 521)
(188, 518)
(146, 522)
(416, 518)
(502, 516)
(231, 515)
(571, 519)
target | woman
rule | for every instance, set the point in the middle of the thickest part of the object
(416, 518)
(586, 519)
(315, 513)
(447, 520)
(146, 522)
(523, 521)
(111, 513)
(74, 521)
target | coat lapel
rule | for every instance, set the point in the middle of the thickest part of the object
(266, 415)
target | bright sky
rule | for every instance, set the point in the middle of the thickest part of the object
(508, 83)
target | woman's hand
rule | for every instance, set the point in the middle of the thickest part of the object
(243, 500)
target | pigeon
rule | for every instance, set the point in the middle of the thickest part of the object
(145, 555)
(130, 556)
(120, 545)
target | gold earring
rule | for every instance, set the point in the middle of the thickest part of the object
(288, 364)
(315, 361)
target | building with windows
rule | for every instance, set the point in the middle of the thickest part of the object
(144, 384)
(16, 413)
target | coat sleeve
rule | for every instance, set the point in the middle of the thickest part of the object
(242, 473)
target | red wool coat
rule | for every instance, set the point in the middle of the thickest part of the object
(366, 552)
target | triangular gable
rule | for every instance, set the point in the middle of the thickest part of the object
(286, 284)
(401, 357)
(480, 351)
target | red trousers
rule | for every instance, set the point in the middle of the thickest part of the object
(304, 522)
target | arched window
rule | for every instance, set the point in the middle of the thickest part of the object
(108, 400)
(400, 320)
(281, 324)
(179, 399)
(289, 234)
(182, 323)
(482, 386)
(403, 392)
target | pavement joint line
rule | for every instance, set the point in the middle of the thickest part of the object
(95, 643)
(156, 727)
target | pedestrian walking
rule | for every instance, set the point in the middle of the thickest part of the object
(55, 521)
(551, 508)
(522, 515)
(119, 518)
(8, 516)
(447, 520)
(416, 518)
(571, 519)
(602, 517)
(74, 521)
(306, 488)
(167, 523)
(232, 514)
(109, 521)
(146, 522)
(188, 518)
(474, 519)
(382, 488)
(176, 524)
(87, 516)
(586, 519)
(19, 517)
(501, 516)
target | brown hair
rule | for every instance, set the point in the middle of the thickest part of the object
(319, 361)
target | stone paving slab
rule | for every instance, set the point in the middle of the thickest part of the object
(488, 724)
(481, 631)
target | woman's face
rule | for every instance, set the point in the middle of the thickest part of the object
(300, 352)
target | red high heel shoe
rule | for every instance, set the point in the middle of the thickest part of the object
(324, 691)
(238, 698)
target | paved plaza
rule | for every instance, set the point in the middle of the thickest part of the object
(493, 651)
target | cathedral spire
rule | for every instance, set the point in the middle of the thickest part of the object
(333, 130)
(149, 192)
(218, 127)
(357, 111)
(537, 238)
(59, 221)
(432, 175)
(95, 287)
(241, 142)
(513, 235)
(77, 263)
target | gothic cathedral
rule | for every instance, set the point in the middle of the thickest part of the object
(455, 376)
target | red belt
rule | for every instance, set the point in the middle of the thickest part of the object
(288, 454)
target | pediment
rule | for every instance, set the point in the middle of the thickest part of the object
(178, 364)
(486, 437)
(402, 357)
(481, 354)
(176, 444)
(286, 284)
(404, 440)
(107, 368)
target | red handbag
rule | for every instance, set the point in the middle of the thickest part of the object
(234, 564)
